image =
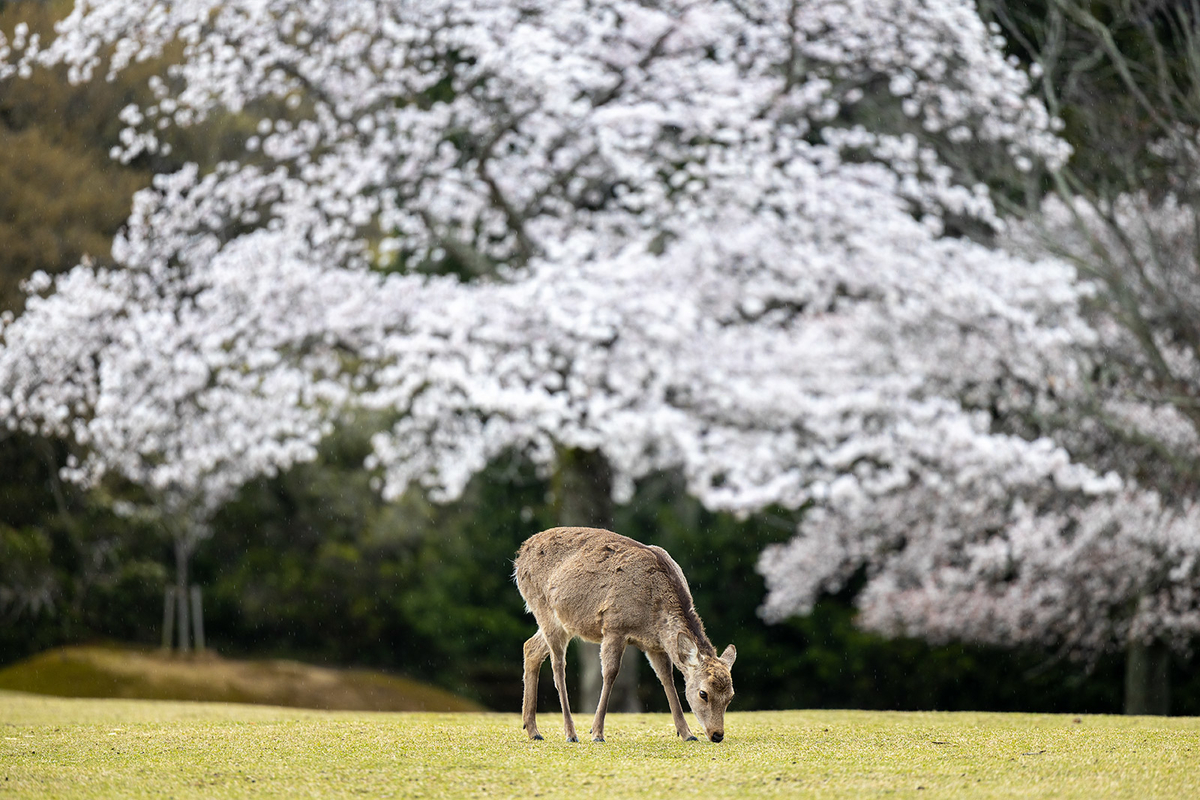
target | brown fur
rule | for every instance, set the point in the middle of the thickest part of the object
(608, 588)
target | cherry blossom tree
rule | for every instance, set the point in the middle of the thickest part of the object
(185, 382)
(1054, 556)
(714, 236)
(1084, 570)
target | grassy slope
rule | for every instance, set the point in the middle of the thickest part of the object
(113, 672)
(52, 747)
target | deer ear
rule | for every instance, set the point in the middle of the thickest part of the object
(688, 651)
(729, 656)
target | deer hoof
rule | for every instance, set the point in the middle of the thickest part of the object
(572, 738)
(691, 739)
(537, 737)
(599, 739)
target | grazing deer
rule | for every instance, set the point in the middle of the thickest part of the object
(608, 588)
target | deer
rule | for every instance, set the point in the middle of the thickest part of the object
(607, 588)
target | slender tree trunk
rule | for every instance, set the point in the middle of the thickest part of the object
(197, 618)
(583, 497)
(183, 555)
(1148, 679)
(183, 618)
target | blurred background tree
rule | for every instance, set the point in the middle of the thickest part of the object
(69, 568)
(67, 195)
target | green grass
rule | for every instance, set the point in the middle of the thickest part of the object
(54, 747)
(155, 675)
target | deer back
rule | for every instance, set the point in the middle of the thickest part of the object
(589, 581)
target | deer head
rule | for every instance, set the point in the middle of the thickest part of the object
(708, 687)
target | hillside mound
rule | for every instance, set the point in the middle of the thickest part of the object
(157, 675)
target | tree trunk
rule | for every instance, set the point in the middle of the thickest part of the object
(197, 618)
(1148, 679)
(183, 617)
(583, 498)
(182, 557)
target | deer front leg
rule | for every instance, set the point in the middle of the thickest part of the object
(558, 661)
(536, 651)
(662, 668)
(611, 650)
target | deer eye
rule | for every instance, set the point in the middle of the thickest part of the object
(704, 695)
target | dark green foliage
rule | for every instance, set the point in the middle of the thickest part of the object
(69, 569)
(314, 565)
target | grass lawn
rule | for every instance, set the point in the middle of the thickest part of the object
(57, 747)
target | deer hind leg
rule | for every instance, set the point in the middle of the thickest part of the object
(662, 668)
(536, 651)
(558, 661)
(611, 650)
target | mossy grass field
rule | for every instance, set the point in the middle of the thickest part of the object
(155, 675)
(59, 747)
